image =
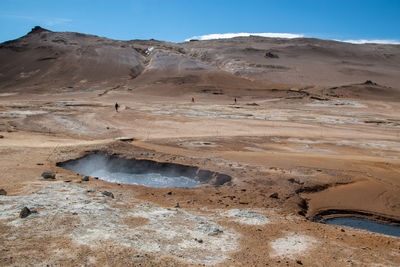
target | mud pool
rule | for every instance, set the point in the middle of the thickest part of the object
(142, 172)
(365, 224)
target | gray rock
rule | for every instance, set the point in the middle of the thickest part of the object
(108, 194)
(25, 212)
(3, 192)
(48, 175)
(85, 178)
(215, 232)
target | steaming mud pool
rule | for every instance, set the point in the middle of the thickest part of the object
(138, 172)
(365, 224)
(147, 179)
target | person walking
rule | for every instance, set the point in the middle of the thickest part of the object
(116, 106)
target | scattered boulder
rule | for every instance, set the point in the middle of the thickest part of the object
(25, 212)
(274, 195)
(177, 205)
(1, 136)
(108, 194)
(85, 178)
(299, 262)
(199, 240)
(269, 54)
(3, 192)
(48, 175)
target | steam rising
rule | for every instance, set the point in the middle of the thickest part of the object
(120, 170)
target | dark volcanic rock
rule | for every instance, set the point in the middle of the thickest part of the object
(3, 192)
(25, 212)
(274, 195)
(108, 194)
(48, 175)
(38, 29)
(269, 54)
(369, 82)
(85, 178)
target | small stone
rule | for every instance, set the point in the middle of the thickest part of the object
(274, 195)
(138, 256)
(85, 178)
(39, 164)
(169, 193)
(342, 230)
(3, 192)
(199, 240)
(1, 136)
(177, 205)
(108, 194)
(299, 262)
(74, 213)
(215, 232)
(25, 212)
(48, 175)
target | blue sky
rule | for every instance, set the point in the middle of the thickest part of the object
(177, 20)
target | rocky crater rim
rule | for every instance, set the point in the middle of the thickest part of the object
(121, 164)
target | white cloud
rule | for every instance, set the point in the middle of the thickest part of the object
(46, 21)
(244, 34)
(363, 41)
(56, 21)
(285, 35)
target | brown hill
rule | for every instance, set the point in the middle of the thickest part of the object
(43, 59)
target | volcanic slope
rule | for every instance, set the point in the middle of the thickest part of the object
(73, 61)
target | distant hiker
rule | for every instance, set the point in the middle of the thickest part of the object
(116, 106)
(235, 100)
(192, 99)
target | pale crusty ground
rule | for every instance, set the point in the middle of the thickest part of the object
(281, 146)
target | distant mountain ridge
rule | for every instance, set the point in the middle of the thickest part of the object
(43, 59)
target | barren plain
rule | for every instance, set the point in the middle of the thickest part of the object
(314, 133)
